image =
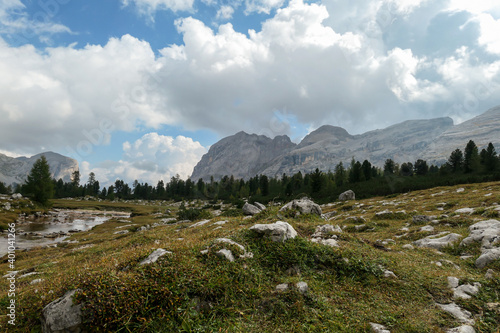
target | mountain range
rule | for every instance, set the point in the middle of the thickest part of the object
(246, 155)
(14, 171)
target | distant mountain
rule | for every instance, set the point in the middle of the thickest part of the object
(243, 155)
(15, 170)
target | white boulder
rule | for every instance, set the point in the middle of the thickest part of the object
(277, 232)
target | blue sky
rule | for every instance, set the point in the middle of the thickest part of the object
(140, 89)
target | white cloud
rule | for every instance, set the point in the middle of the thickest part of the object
(149, 7)
(262, 6)
(225, 13)
(490, 36)
(22, 28)
(151, 158)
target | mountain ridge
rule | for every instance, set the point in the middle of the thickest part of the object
(14, 170)
(429, 139)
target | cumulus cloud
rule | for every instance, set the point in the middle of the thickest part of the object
(149, 159)
(262, 6)
(225, 13)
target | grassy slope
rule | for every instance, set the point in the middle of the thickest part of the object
(191, 292)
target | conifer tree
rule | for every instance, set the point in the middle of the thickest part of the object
(39, 182)
(471, 157)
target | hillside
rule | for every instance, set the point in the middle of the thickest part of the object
(376, 274)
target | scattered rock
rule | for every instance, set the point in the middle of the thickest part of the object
(249, 209)
(220, 223)
(302, 287)
(486, 232)
(347, 195)
(282, 287)
(377, 328)
(466, 291)
(277, 232)
(488, 256)
(303, 206)
(199, 224)
(121, 232)
(388, 274)
(62, 315)
(462, 329)
(438, 243)
(490, 274)
(36, 281)
(328, 242)
(153, 257)
(225, 253)
(460, 190)
(427, 228)
(462, 316)
(465, 211)
(328, 216)
(259, 205)
(16, 196)
(421, 219)
(453, 282)
(408, 247)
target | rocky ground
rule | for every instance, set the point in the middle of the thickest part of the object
(425, 261)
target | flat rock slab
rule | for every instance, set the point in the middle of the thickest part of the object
(153, 257)
(487, 232)
(277, 232)
(462, 329)
(488, 256)
(458, 313)
(303, 206)
(436, 242)
(249, 209)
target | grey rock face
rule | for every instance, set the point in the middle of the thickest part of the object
(277, 232)
(62, 315)
(488, 256)
(458, 313)
(488, 233)
(466, 291)
(241, 155)
(249, 209)
(347, 195)
(304, 206)
(436, 242)
(15, 170)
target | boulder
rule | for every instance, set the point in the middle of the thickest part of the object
(249, 209)
(16, 196)
(427, 228)
(225, 253)
(466, 291)
(259, 205)
(347, 195)
(323, 231)
(436, 242)
(462, 316)
(277, 232)
(303, 206)
(421, 219)
(153, 257)
(302, 287)
(453, 282)
(486, 232)
(488, 256)
(282, 287)
(465, 211)
(62, 315)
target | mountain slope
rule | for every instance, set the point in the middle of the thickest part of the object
(15, 170)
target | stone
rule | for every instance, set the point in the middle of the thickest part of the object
(36, 281)
(153, 257)
(490, 274)
(323, 231)
(62, 315)
(328, 216)
(121, 232)
(16, 196)
(488, 256)
(427, 228)
(225, 253)
(465, 211)
(277, 232)
(302, 287)
(378, 328)
(303, 206)
(466, 291)
(408, 247)
(487, 232)
(462, 316)
(460, 190)
(199, 224)
(220, 223)
(389, 275)
(420, 219)
(439, 242)
(453, 282)
(282, 287)
(327, 242)
(249, 209)
(462, 329)
(259, 205)
(347, 195)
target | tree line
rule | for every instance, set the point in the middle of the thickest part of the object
(467, 166)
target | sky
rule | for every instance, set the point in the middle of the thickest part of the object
(140, 89)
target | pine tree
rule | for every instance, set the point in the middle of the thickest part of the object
(39, 183)
(389, 167)
(471, 157)
(490, 158)
(421, 168)
(456, 160)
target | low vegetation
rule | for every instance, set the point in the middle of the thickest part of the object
(191, 291)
